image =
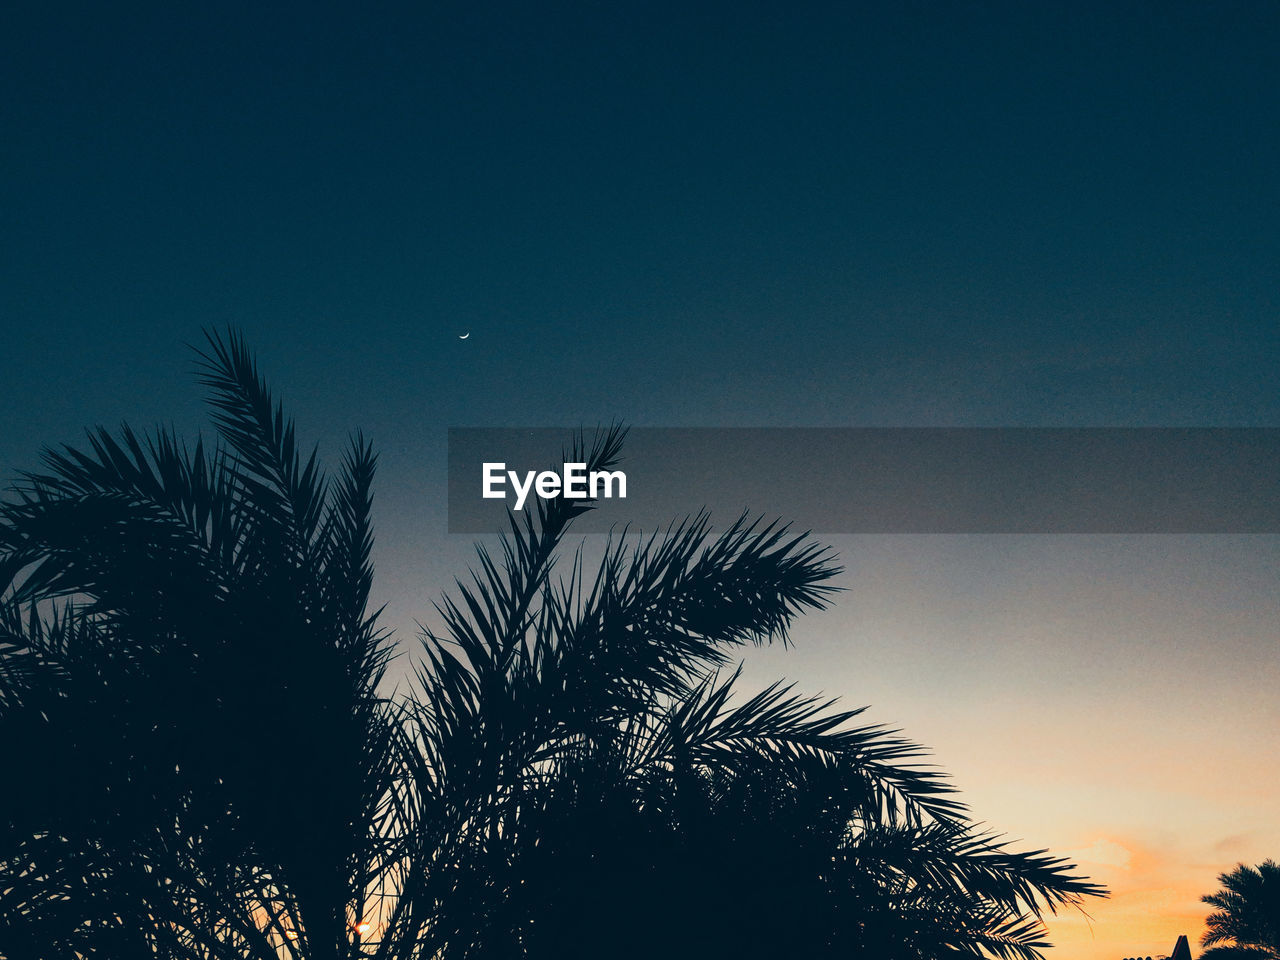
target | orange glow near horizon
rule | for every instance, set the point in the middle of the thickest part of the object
(1109, 699)
(1153, 901)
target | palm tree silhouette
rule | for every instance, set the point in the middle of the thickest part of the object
(593, 790)
(1246, 923)
(189, 687)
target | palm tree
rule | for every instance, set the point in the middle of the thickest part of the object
(189, 682)
(589, 788)
(188, 685)
(1246, 923)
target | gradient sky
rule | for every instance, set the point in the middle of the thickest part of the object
(726, 214)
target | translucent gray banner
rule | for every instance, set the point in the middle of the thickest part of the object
(891, 480)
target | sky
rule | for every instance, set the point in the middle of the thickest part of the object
(990, 214)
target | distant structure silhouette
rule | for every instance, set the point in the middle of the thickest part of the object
(1181, 951)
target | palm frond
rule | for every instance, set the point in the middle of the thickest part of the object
(186, 632)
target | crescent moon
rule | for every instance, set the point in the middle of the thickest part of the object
(464, 336)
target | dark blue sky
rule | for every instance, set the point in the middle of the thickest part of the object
(869, 213)
(684, 214)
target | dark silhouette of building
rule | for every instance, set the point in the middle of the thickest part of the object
(1181, 951)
